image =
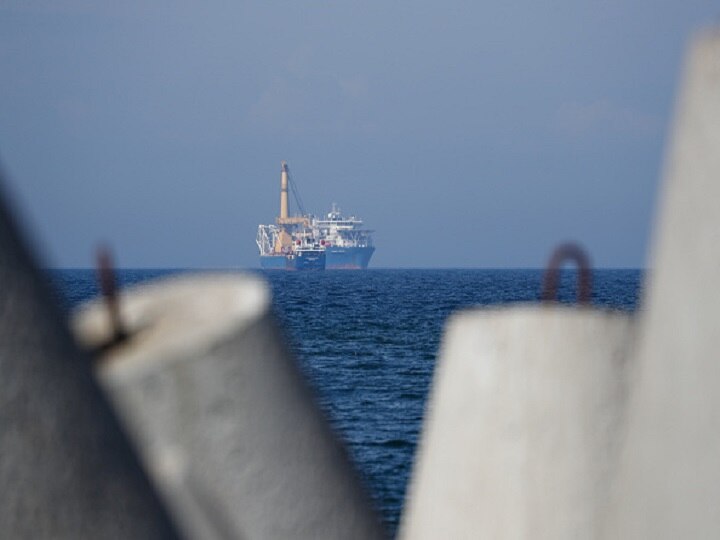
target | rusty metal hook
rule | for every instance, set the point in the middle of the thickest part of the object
(108, 288)
(551, 280)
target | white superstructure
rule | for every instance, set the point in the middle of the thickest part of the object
(340, 231)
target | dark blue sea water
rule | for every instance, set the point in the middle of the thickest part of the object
(368, 340)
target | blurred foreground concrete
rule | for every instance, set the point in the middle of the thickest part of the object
(668, 485)
(520, 434)
(66, 468)
(550, 422)
(224, 420)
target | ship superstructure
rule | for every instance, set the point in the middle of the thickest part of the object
(305, 242)
(348, 246)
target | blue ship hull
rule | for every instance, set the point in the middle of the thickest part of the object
(302, 260)
(348, 258)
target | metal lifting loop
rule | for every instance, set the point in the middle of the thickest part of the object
(108, 288)
(551, 280)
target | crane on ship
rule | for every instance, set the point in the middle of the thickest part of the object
(295, 192)
(290, 226)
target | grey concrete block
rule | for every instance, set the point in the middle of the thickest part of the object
(668, 485)
(67, 469)
(520, 436)
(227, 425)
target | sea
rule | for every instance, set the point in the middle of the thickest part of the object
(367, 342)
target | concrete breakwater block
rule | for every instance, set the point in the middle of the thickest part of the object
(225, 422)
(668, 485)
(520, 433)
(67, 469)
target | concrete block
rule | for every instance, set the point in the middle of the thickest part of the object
(225, 421)
(668, 485)
(67, 470)
(520, 433)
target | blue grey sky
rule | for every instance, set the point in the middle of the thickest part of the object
(467, 134)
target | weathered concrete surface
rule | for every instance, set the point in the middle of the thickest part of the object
(669, 480)
(226, 422)
(66, 468)
(520, 432)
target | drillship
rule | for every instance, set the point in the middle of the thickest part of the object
(305, 242)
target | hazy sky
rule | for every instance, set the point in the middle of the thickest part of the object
(467, 134)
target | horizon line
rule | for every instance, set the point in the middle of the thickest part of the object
(255, 268)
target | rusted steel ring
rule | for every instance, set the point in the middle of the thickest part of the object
(551, 280)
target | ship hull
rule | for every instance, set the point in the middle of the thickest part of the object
(348, 258)
(302, 260)
(273, 262)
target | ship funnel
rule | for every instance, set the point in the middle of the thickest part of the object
(284, 191)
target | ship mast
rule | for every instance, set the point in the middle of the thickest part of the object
(284, 217)
(284, 191)
(287, 224)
